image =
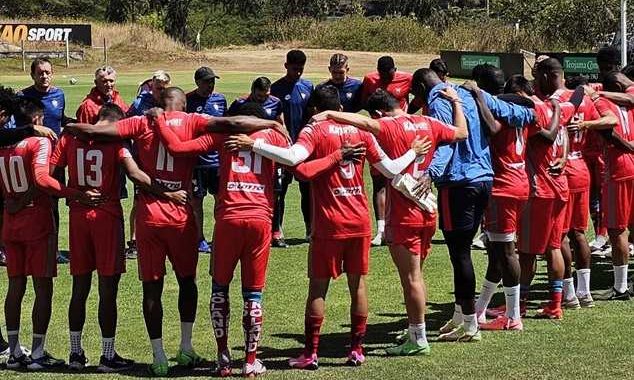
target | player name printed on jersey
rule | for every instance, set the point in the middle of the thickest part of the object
(342, 129)
(347, 191)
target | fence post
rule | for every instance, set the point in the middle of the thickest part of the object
(67, 53)
(23, 56)
(105, 52)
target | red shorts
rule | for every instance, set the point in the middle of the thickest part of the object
(244, 240)
(96, 241)
(502, 217)
(36, 258)
(577, 211)
(541, 225)
(329, 258)
(417, 240)
(178, 243)
(618, 204)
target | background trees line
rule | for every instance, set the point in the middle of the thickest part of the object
(568, 24)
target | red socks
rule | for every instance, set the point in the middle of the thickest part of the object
(357, 332)
(312, 327)
(252, 324)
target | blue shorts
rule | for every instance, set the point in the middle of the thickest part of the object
(461, 207)
(205, 181)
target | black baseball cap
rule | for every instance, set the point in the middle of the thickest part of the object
(385, 64)
(205, 73)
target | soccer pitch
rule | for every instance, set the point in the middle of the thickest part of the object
(586, 343)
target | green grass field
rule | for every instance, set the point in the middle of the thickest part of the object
(587, 343)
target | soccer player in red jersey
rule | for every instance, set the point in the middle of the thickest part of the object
(29, 236)
(618, 188)
(409, 227)
(341, 226)
(245, 208)
(546, 156)
(96, 233)
(578, 207)
(166, 228)
(398, 84)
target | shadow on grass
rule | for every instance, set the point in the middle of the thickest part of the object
(137, 370)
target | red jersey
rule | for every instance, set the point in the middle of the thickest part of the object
(541, 153)
(399, 87)
(576, 169)
(246, 178)
(19, 165)
(92, 165)
(339, 204)
(396, 137)
(619, 164)
(508, 155)
(175, 173)
(88, 110)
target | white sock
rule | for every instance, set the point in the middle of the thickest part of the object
(380, 226)
(569, 289)
(158, 351)
(75, 342)
(583, 282)
(457, 315)
(107, 347)
(14, 343)
(512, 298)
(470, 323)
(487, 292)
(417, 333)
(620, 278)
(38, 346)
(186, 336)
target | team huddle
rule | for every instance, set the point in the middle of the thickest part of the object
(527, 162)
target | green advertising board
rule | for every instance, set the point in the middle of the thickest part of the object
(461, 63)
(581, 65)
(468, 61)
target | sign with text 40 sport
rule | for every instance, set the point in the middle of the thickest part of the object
(75, 33)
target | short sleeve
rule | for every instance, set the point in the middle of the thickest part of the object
(308, 138)
(374, 153)
(199, 124)
(58, 157)
(443, 133)
(602, 106)
(386, 131)
(123, 152)
(568, 111)
(131, 127)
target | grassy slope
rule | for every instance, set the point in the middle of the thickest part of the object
(587, 343)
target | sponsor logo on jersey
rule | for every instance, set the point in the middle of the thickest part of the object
(409, 126)
(170, 185)
(342, 129)
(347, 191)
(174, 122)
(199, 109)
(349, 95)
(246, 187)
(55, 103)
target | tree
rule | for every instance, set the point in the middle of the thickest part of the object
(176, 13)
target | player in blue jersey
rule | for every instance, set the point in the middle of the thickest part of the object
(261, 94)
(54, 103)
(205, 100)
(294, 92)
(152, 97)
(349, 88)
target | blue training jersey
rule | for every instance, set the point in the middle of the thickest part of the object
(295, 97)
(469, 161)
(272, 106)
(54, 105)
(142, 103)
(214, 105)
(349, 93)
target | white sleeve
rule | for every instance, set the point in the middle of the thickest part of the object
(292, 156)
(389, 168)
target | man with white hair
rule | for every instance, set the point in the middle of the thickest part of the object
(152, 97)
(104, 92)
